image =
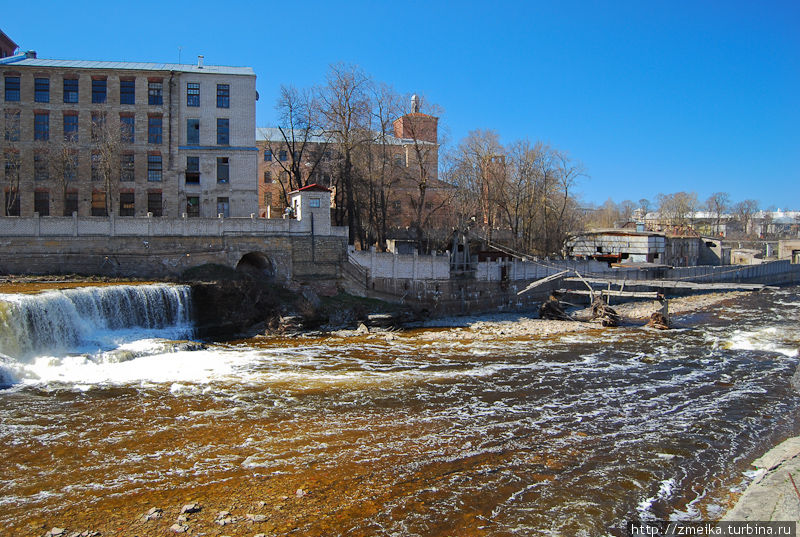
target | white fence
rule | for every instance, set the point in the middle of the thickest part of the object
(413, 267)
(114, 226)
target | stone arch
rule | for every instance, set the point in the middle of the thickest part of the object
(256, 263)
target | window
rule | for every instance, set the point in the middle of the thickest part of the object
(127, 91)
(41, 203)
(223, 131)
(154, 204)
(12, 167)
(70, 203)
(283, 156)
(12, 88)
(41, 171)
(71, 127)
(99, 90)
(193, 170)
(127, 204)
(192, 94)
(267, 176)
(267, 155)
(192, 206)
(99, 203)
(223, 96)
(223, 170)
(154, 168)
(224, 207)
(192, 132)
(70, 90)
(155, 93)
(98, 125)
(127, 128)
(71, 167)
(12, 126)
(41, 90)
(11, 204)
(41, 126)
(127, 167)
(96, 167)
(154, 129)
(313, 203)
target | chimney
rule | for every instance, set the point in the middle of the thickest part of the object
(30, 54)
(200, 61)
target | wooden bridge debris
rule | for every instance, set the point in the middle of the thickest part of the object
(605, 314)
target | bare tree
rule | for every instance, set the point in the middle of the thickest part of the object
(744, 212)
(345, 106)
(302, 138)
(63, 158)
(677, 209)
(107, 146)
(11, 180)
(718, 204)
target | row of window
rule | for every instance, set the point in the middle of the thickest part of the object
(155, 127)
(223, 131)
(192, 174)
(41, 126)
(127, 167)
(127, 203)
(68, 164)
(127, 91)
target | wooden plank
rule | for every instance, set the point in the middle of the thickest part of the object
(672, 284)
(606, 292)
(544, 280)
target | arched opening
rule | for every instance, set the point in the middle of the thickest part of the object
(257, 264)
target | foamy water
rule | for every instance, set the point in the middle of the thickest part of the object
(570, 435)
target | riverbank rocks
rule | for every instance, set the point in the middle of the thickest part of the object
(256, 518)
(153, 514)
(190, 508)
(224, 518)
(56, 532)
(179, 528)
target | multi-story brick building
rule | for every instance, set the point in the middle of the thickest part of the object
(412, 153)
(7, 46)
(131, 138)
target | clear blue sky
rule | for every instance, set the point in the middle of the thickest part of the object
(652, 96)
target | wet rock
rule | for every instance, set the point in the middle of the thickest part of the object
(658, 321)
(260, 535)
(56, 532)
(153, 514)
(179, 528)
(257, 518)
(300, 493)
(224, 518)
(191, 508)
(362, 329)
(87, 533)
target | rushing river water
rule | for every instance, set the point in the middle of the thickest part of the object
(426, 432)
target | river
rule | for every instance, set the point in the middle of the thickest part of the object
(108, 409)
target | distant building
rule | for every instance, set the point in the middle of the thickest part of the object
(7, 46)
(319, 153)
(135, 138)
(629, 246)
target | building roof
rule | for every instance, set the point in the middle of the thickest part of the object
(8, 40)
(274, 134)
(22, 60)
(312, 188)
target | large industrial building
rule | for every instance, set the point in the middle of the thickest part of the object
(93, 137)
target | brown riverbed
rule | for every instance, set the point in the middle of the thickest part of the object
(498, 426)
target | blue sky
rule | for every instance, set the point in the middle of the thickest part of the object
(651, 96)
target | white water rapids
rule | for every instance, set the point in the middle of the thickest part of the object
(566, 435)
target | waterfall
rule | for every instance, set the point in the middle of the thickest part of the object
(55, 322)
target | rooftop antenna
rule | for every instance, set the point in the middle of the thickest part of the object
(179, 54)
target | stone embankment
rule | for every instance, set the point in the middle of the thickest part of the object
(773, 495)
